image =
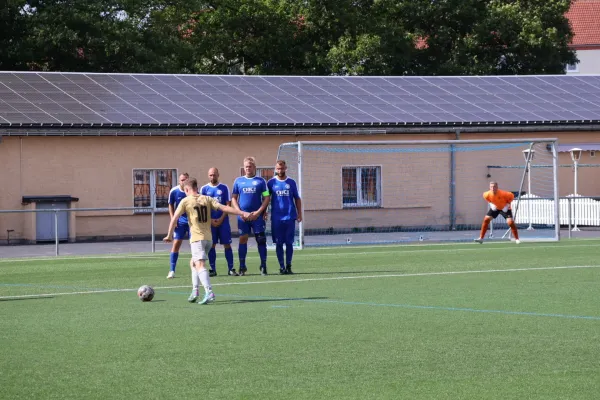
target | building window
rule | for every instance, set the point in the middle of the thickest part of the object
(151, 189)
(572, 67)
(361, 187)
(264, 172)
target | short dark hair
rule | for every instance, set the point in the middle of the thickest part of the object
(192, 182)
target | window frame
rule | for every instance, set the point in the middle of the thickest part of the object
(153, 188)
(360, 202)
(259, 172)
(572, 68)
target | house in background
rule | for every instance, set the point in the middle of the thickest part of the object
(584, 17)
(82, 142)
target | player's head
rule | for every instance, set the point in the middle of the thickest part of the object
(213, 175)
(250, 166)
(494, 187)
(190, 186)
(182, 179)
(280, 168)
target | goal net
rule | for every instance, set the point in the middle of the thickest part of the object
(421, 191)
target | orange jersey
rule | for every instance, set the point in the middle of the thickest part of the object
(500, 199)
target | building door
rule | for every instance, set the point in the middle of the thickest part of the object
(45, 222)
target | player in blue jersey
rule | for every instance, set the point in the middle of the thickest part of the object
(286, 209)
(182, 230)
(250, 194)
(221, 230)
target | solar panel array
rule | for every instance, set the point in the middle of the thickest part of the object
(90, 99)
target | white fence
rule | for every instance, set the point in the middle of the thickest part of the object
(574, 210)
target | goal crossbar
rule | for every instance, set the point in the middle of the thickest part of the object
(353, 157)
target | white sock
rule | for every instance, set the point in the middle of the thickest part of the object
(195, 280)
(205, 280)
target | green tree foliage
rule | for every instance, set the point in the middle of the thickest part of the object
(489, 37)
(13, 23)
(312, 37)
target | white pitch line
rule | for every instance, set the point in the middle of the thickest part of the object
(311, 280)
(82, 257)
(300, 255)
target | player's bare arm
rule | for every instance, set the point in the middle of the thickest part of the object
(255, 214)
(299, 209)
(231, 210)
(219, 221)
(173, 224)
(234, 201)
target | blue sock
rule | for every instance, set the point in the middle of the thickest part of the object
(174, 257)
(242, 251)
(229, 257)
(279, 252)
(289, 252)
(212, 258)
(262, 251)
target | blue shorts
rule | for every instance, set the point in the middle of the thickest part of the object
(182, 231)
(256, 226)
(283, 231)
(222, 233)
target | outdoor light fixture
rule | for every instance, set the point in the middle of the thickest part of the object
(528, 155)
(575, 156)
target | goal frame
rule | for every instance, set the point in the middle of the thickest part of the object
(553, 141)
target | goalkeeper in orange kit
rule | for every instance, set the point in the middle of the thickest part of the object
(499, 205)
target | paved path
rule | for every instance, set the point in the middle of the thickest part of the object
(145, 247)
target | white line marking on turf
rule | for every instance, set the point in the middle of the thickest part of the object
(299, 254)
(82, 257)
(311, 280)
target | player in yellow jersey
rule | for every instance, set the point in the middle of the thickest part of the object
(198, 209)
(499, 201)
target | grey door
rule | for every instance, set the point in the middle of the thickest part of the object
(45, 222)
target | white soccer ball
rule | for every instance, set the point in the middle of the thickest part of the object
(146, 293)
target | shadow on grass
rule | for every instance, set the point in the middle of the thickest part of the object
(265, 300)
(391, 271)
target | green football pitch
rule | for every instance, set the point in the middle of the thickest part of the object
(465, 321)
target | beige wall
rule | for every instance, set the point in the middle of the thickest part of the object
(11, 190)
(99, 171)
(589, 62)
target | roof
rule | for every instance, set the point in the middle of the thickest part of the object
(584, 18)
(91, 100)
(48, 199)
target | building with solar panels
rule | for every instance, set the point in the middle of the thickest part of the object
(81, 141)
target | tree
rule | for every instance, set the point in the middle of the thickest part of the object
(493, 37)
(13, 22)
(309, 37)
(249, 37)
(98, 35)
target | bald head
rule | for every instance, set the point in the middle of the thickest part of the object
(213, 176)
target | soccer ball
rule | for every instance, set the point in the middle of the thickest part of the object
(146, 293)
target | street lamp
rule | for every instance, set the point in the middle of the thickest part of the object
(575, 156)
(528, 154)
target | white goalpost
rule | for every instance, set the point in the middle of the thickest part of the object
(378, 192)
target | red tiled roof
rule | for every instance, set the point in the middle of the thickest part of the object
(584, 16)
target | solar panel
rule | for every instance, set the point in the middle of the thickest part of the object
(79, 98)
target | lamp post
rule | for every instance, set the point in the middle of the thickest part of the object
(575, 156)
(528, 159)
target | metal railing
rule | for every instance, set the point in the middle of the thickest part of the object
(575, 211)
(575, 207)
(56, 211)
